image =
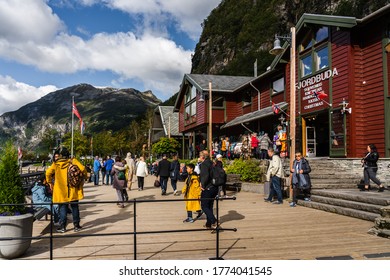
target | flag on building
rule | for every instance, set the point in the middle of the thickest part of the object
(320, 95)
(275, 108)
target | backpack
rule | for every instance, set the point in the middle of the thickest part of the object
(121, 175)
(218, 176)
(75, 176)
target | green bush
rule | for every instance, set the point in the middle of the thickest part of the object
(249, 170)
(11, 191)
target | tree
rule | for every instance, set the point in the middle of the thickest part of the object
(166, 146)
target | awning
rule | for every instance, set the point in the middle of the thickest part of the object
(252, 116)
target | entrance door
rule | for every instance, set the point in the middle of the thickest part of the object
(311, 141)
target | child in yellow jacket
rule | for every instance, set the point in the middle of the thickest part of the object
(192, 190)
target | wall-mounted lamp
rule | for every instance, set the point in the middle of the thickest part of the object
(277, 48)
(344, 108)
(201, 98)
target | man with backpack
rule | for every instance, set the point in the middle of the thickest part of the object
(68, 176)
(209, 191)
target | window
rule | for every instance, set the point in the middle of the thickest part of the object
(218, 102)
(306, 66)
(314, 52)
(278, 85)
(190, 103)
(322, 60)
(321, 34)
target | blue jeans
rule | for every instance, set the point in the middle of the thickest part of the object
(207, 205)
(108, 177)
(174, 183)
(164, 183)
(275, 189)
(96, 177)
(63, 208)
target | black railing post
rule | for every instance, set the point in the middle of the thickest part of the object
(135, 229)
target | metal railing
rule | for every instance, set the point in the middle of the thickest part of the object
(135, 233)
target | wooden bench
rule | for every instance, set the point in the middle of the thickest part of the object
(233, 182)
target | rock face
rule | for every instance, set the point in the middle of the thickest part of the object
(100, 108)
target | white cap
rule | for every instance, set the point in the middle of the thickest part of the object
(219, 156)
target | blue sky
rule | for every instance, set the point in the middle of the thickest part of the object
(47, 45)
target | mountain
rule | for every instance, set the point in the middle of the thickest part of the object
(100, 108)
(237, 33)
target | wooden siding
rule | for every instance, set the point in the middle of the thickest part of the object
(371, 90)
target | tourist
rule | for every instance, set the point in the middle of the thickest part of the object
(141, 173)
(192, 190)
(274, 176)
(119, 181)
(174, 173)
(163, 172)
(370, 168)
(300, 178)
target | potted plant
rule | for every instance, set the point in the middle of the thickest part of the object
(15, 222)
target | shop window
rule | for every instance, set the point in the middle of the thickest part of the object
(190, 103)
(278, 85)
(322, 34)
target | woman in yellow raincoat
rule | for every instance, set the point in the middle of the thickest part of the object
(192, 190)
(63, 194)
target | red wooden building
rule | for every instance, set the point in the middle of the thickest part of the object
(342, 89)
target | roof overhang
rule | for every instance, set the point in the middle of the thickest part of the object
(252, 116)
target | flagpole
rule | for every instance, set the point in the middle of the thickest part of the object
(71, 149)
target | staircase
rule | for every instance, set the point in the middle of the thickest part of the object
(334, 189)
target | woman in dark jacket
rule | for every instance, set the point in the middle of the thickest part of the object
(300, 179)
(370, 168)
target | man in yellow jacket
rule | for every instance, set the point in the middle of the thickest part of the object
(63, 194)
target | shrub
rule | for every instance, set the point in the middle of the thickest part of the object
(11, 191)
(249, 170)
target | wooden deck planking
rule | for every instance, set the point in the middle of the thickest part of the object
(265, 231)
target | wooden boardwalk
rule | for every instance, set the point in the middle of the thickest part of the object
(264, 231)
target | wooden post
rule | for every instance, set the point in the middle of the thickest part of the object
(292, 104)
(210, 127)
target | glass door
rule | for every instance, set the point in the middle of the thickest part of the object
(337, 134)
(311, 141)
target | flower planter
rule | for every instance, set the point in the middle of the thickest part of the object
(15, 226)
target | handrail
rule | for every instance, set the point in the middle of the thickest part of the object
(134, 232)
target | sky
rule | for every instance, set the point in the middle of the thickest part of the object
(46, 45)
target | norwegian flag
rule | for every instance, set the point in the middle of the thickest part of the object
(76, 112)
(20, 153)
(275, 108)
(82, 127)
(320, 95)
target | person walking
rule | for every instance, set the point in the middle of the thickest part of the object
(163, 172)
(130, 170)
(119, 180)
(370, 168)
(254, 144)
(174, 173)
(63, 193)
(141, 173)
(265, 141)
(96, 170)
(274, 175)
(103, 170)
(192, 190)
(219, 164)
(300, 178)
(209, 192)
(108, 165)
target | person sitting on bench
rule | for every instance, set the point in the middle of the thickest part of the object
(41, 192)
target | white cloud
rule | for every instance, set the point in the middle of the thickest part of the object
(31, 34)
(24, 21)
(14, 94)
(188, 14)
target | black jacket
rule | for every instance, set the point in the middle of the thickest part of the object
(163, 168)
(371, 159)
(205, 173)
(175, 168)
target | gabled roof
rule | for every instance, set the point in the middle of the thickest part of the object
(219, 82)
(170, 120)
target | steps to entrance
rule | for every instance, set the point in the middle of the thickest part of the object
(349, 202)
